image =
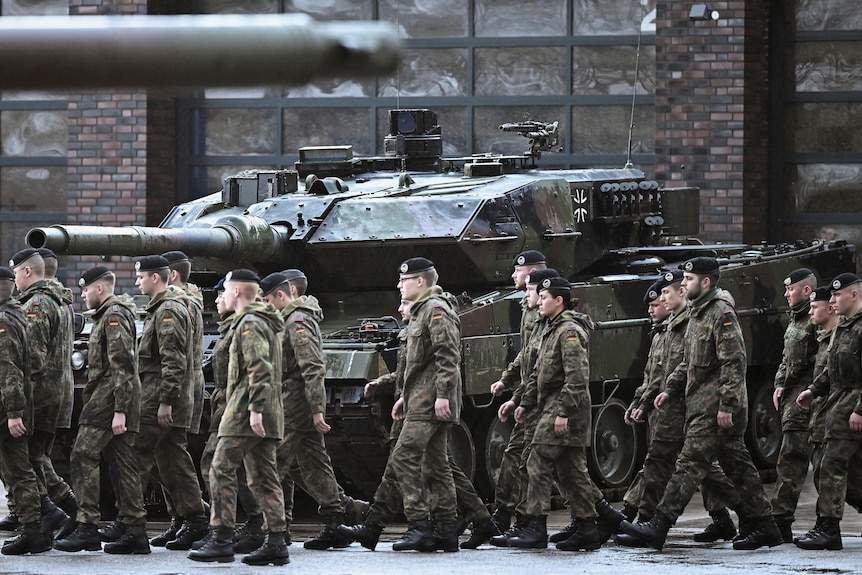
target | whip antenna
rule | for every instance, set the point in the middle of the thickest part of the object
(634, 94)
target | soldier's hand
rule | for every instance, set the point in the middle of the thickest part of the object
(804, 399)
(166, 418)
(561, 425)
(441, 408)
(520, 415)
(255, 418)
(320, 423)
(776, 397)
(497, 388)
(661, 400)
(370, 388)
(16, 427)
(118, 425)
(725, 419)
(504, 411)
(398, 409)
(855, 422)
(637, 415)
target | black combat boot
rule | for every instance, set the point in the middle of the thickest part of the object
(85, 537)
(31, 540)
(10, 522)
(446, 535)
(608, 521)
(630, 511)
(220, 548)
(113, 531)
(329, 537)
(722, 527)
(513, 531)
(132, 542)
(481, 533)
(69, 504)
(367, 534)
(419, 535)
(355, 510)
(784, 527)
(811, 533)
(194, 528)
(273, 550)
(169, 535)
(248, 537)
(652, 533)
(502, 518)
(746, 526)
(765, 533)
(825, 536)
(52, 518)
(627, 540)
(534, 534)
(564, 533)
(585, 538)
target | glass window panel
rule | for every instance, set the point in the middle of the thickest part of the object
(453, 129)
(828, 15)
(238, 7)
(217, 174)
(241, 131)
(424, 19)
(852, 234)
(34, 133)
(824, 188)
(12, 236)
(621, 17)
(440, 72)
(29, 96)
(333, 88)
(611, 70)
(245, 93)
(823, 127)
(332, 9)
(520, 71)
(605, 129)
(33, 189)
(35, 7)
(487, 136)
(327, 127)
(497, 18)
(828, 66)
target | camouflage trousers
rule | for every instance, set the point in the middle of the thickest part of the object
(648, 485)
(91, 444)
(818, 448)
(40, 445)
(19, 477)
(421, 468)
(197, 405)
(840, 477)
(258, 455)
(524, 478)
(166, 448)
(246, 499)
(573, 480)
(507, 494)
(306, 452)
(694, 462)
(792, 468)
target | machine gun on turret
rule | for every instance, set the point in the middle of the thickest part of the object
(543, 137)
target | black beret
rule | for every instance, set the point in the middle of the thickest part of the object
(556, 284)
(7, 274)
(175, 257)
(293, 274)
(844, 280)
(243, 276)
(151, 264)
(529, 258)
(415, 266)
(701, 265)
(670, 278)
(797, 276)
(92, 275)
(22, 256)
(219, 285)
(536, 277)
(652, 292)
(46, 253)
(272, 281)
(821, 293)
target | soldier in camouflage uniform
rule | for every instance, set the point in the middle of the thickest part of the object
(304, 396)
(109, 421)
(794, 374)
(251, 426)
(16, 413)
(164, 363)
(667, 307)
(711, 376)
(841, 383)
(50, 357)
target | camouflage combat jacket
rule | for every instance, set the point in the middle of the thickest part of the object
(15, 384)
(652, 370)
(165, 358)
(516, 373)
(303, 368)
(112, 376)
(561, 377)
(50, 351)
(196, 306)
(220, 358)
(393, 382)
(68, 386)
(254, 373)
(433, 366)
(842, 378)
(819, 408)
(796, 371)
(711, 374)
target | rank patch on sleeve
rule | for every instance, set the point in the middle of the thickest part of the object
(164, 319)
(246, 331)
(114, 323)
(436, 316)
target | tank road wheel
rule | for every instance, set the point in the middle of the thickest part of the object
(463, 450)
(614, 456)
(764, 428)
(492, 437)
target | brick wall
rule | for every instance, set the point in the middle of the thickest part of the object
(711, 113)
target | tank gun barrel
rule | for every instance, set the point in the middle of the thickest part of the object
(246, 238)
(93, 52)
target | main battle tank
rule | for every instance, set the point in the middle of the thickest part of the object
(348, 222)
